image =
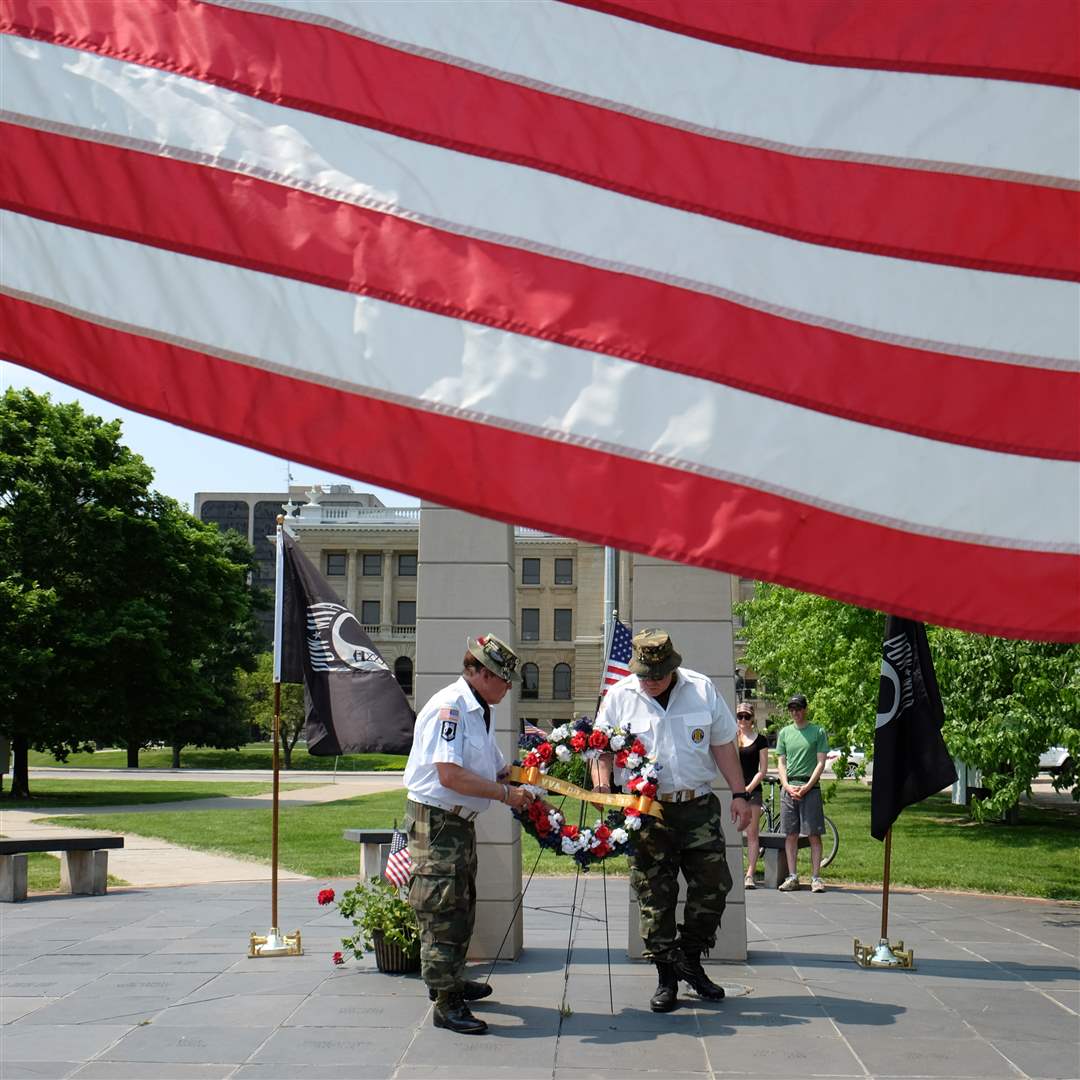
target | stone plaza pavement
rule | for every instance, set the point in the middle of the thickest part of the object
(154, 984)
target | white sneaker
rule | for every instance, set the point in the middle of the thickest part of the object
(790, 883)
(749, 882)
(817, 885)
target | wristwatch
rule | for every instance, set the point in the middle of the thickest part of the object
(739, 795)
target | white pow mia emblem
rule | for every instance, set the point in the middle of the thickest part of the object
(334, 641)
(449, 730)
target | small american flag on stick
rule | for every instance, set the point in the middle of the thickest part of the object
(618, 663)
(398, 862)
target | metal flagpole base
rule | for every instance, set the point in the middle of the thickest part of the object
(276, 944)
(884, 955)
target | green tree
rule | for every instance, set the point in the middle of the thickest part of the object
(1005, 701)
(256, 689)
(67, 485)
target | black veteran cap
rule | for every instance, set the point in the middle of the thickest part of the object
(495, 655)
(797, 701)
(654, 655)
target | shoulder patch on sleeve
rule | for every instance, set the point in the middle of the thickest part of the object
(448, 718)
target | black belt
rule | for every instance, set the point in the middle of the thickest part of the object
(797, 779)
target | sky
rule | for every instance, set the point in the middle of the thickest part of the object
(186, 461)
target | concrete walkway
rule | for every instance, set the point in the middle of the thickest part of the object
(145, 861)
(155, 985)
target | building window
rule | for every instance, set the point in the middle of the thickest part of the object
(530, 682)
(403, 673)
(564, 571)
(530, 624)
(372, 564)
(564, 624)
(406, 565)
(335, 564)
(406, 613)
(561, 682)
(530, 571)
(370, 615)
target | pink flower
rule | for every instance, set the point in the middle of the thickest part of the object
(326, 896)
(338, 959)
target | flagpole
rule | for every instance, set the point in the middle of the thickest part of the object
(274, 944)
(885, 888)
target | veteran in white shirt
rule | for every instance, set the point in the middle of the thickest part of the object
(453, 772)
(678, 717)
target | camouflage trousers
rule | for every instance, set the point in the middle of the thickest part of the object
(690, 839)
(442, 891)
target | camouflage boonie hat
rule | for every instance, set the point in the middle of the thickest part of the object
(495, 655)
(654, 655)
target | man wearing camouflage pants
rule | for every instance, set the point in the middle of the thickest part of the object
(452, 774)
(684, 722)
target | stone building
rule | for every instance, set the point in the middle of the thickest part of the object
(368, 552)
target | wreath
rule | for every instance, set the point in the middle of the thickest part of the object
(626, 815)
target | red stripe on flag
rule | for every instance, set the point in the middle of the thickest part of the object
(703, 521)
(936, 217)
(991, 39)
(259, 225)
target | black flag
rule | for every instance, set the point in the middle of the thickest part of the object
(910, 758)
(354, 703)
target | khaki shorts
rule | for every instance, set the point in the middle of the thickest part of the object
(805, 816)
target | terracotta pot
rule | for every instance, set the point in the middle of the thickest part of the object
(392, 959)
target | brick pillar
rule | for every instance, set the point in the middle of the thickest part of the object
(694, 606)
(465, 587)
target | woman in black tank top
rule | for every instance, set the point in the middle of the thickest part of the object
(754, 759)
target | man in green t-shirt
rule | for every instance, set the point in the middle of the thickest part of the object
(801, 751)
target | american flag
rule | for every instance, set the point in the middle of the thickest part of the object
(618, 656)
(529, 728)
(398, 862)
(808, 273)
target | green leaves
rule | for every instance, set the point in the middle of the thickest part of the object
(376, 905)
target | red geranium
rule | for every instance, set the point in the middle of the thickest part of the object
(620, 758)
(577, 742)
(326, 896)
(530, 761)
(545, 751)
(570, 831)
(598, 741)
(601, 832)
(338, 958)
(638, 747)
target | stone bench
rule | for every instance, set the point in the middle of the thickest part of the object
(772, 848)
(84, 868)
(374, 849)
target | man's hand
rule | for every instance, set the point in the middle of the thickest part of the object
(517, 798)
(795, 792)
(740, 813)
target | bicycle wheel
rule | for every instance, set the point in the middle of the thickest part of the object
(830, 842)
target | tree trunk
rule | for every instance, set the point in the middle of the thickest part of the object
(286, 753)
(176, 756)
(133, 756)
(20, 768)
(1011, 816)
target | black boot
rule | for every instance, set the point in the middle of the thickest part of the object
(473, 991)
(452, 1013)
(666, 997)
(691, 972)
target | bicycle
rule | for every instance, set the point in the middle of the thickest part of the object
(770, 819)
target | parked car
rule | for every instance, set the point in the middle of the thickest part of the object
(855, 757)
(1055, 760)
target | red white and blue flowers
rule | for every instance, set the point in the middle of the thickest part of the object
(614, 833)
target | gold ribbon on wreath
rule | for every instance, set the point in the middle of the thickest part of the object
(533, 776)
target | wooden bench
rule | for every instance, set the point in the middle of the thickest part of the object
(84, 868)
(772, 848)
(374, 849)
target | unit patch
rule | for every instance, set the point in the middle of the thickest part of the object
(697, 734)
(448, 717)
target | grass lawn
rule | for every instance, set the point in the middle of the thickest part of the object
(77, 792)
(252, 756)
(934, 845)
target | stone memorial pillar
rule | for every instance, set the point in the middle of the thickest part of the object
(694, 606)
(465, 587)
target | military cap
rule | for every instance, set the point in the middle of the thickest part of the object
(654, 655)
(495, 655)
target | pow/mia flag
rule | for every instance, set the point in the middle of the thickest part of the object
(354, 703)
(910, 758)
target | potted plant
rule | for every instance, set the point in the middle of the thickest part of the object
(382, 921)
